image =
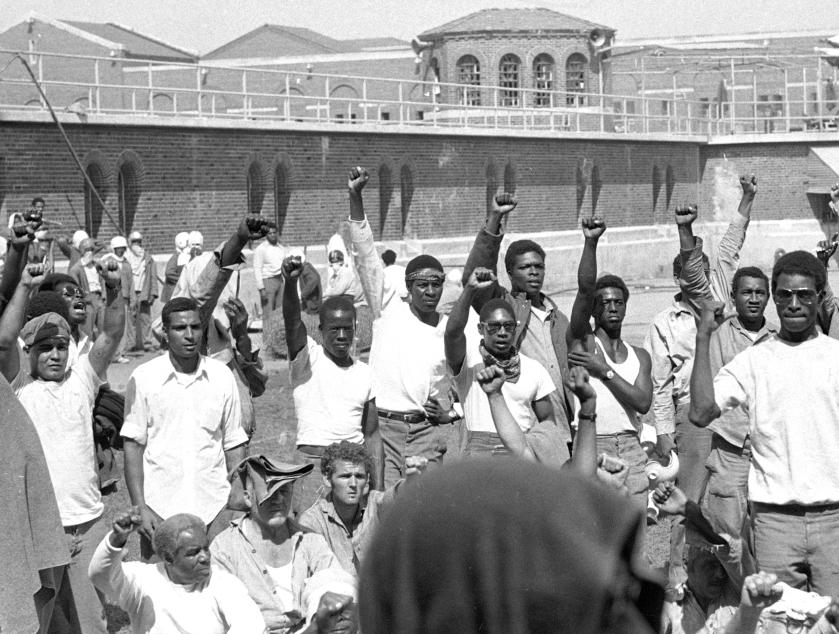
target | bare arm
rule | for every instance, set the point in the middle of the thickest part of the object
(581, 312)
(108, 340)
(295, 329)
(373, 442)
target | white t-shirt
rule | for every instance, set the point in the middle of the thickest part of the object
(328, 400)
(62, 412)
(791, 393)
(533, 384)
(408, 359)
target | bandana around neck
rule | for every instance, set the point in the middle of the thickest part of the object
(511, 366)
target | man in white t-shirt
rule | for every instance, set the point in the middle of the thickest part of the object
(60, 403)
(333, 393)
(527, 386)
(789, 386)
(407, 357)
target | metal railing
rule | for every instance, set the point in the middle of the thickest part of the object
(119, 86)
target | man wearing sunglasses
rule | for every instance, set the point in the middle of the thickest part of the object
(789, 386)
(528, 385)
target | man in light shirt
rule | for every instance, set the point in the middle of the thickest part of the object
(268, 270)
(183, 431)
(407, 357)
(60, 403)
(789, 385)
(333, 393)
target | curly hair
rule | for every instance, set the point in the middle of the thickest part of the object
(348, 452)
(800, 263)
(612, 281)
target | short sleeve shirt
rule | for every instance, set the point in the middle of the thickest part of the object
(328, 399)
(533, 384)
(62, 412)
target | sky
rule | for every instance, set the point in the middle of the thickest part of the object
(203, 25)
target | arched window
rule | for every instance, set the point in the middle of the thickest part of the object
(93, 208)
(282, 195)
(469, 75)
(256, 189)
(509, 79)
(575, 79)
(128, 194)
(543, 80)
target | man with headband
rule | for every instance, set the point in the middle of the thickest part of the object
(527, 387)
(407, 356)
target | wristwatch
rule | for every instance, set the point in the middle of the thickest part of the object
(608, 376)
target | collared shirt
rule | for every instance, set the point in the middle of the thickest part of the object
(156, 605)
(267, 262)
(791, 392)
(323, 519)
(232, 551)
(729, 340)
(671, 342)
(186, 422)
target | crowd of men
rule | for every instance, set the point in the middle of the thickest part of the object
(365, 526)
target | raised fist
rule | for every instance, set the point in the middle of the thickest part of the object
(480, 278)
(358, 179)
(491, 379)
(504, 203)
(292, 267)
(593, 227)
(749, 184)
(686, 214)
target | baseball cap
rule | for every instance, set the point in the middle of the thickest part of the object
(273, 472)
(135, 235)
(118, 242)
(47, 326)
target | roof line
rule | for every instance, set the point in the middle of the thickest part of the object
(187, 51)
(58, 24)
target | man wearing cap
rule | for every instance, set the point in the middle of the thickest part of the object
(175, 265)
(407, 356)
(119, 246)
(144, 271)
(266, 549)
(60, 403)
(333, 393)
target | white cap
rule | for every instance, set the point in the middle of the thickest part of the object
(181, 240)
(78, 237)
(118, 242)
(135, 235)
(195, 239)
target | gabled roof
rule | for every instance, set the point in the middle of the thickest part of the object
(134, 44)
(513, 20)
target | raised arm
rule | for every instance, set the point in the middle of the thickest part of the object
(484, 253)
(703, 404)
(581, 312)
(367, 262)
(295, 329)
(13, 319)
(108, 340)
(512, 437)
(455, 338)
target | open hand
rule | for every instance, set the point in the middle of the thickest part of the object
(504, 203)
(358, 180)
(760, 590)
(236, 313)
(292, 267)
(593, 227)
(749, 185)
(124, 524)
(491, 379)
(670, 498)
(686, 214)
(480, 278)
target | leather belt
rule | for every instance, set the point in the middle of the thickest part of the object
(410, 418)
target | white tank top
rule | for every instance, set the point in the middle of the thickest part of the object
(612, 416)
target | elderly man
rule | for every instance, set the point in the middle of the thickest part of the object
(138, 335)
(60, 402)
(349, 514)
(274, 556)
(182, 593)
(183, 429)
